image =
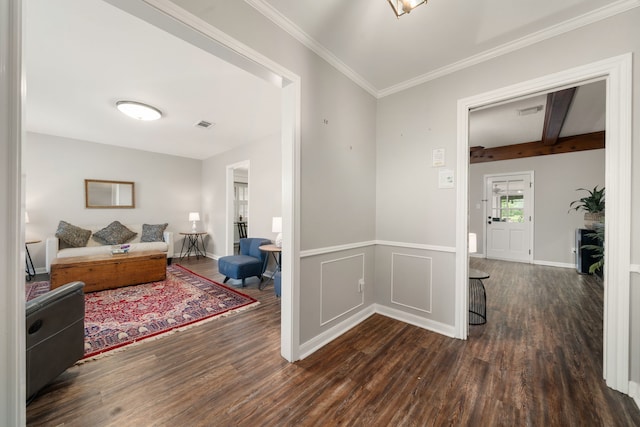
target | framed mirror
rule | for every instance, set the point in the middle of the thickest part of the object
(101, 194)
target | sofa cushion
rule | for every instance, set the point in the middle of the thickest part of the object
(73, 236)
(114, 234)
(153, 232)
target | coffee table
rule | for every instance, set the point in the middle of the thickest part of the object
(99, 272)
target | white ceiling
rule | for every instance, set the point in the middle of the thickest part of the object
(84, 55)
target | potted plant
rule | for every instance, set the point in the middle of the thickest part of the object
(598, 251)
(592, 205)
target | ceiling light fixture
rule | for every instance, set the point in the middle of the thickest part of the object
(400, 7)
(138, 110)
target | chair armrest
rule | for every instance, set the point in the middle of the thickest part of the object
(168, 237)
(51, 251)
(53, 296)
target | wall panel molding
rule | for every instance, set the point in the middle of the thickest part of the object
(340, 290)
(412, 281)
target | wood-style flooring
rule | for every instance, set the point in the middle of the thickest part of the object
(537, 362)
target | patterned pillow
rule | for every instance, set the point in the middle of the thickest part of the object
(153, 232)
(73, 236)
(114, 234)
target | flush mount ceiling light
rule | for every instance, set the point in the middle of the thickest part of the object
(138, 110)
(400, 7)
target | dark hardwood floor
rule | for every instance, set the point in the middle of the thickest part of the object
(537, 362)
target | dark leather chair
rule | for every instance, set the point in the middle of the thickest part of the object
(250, 262)
(55, 334)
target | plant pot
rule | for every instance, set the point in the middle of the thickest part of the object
(591, 218)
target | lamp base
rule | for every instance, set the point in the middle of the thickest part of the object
(279, 240)
(193, 227)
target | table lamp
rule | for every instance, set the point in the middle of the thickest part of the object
(276, 227)
(194, 216)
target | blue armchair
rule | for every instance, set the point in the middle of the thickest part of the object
(250, 262)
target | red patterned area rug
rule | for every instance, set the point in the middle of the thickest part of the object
(118, 317)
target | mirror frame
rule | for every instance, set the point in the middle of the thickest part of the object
(86, 194)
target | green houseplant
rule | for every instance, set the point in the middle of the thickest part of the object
(592, 205)
(598, 250)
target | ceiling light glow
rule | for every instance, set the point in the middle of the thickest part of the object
(138, 110)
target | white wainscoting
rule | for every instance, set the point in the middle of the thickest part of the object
(340, 286)
(411, 281)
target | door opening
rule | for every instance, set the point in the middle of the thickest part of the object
(509, 213)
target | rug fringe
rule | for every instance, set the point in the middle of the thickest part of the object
(164, 334)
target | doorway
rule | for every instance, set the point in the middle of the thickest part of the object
(238, 197)
(617, 73)
(508, 212)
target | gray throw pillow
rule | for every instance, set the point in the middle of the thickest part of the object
(153, 232)
(114, 234)
(73, 236)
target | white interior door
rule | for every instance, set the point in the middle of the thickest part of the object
(509, 216)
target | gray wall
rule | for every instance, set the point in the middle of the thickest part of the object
(413, 122)
(265, 191)
(556, 179)
(167, 187)
(337, 164)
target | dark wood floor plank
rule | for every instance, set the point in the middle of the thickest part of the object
(537, 362)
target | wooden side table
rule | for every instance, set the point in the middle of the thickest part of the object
(273, 250)
(30, 269)
(194, 246)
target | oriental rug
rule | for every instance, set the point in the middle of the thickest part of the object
(119, 317)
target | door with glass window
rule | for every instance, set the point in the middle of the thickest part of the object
(509, 217)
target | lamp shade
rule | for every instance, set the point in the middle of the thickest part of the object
(276, 224)
(473, 243)
(194, 216)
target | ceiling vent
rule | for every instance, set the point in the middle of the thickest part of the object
(204, 124)
(530, 110)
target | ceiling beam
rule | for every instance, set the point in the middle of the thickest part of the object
(558, 104)
(567, 144)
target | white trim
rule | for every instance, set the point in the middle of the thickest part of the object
(617, 72)
(419, 246)
(360, 255)
(634, 392)
(309, 347)
(296, 32)
(181, 23)
(12, 324)
(430, 259)
(554, 264)
(357, 245)
(339, 248)
(412, 319)
(635, 268)
(588, 18)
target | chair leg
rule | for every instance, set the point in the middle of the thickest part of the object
(243, 279)
(226, 279)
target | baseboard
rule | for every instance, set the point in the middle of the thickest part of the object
(311, 346)
(554, 264)
(334, 332)
(634, 392)
(421, 322)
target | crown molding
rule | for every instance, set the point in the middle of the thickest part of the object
(588, 18)
(296, 32)
(533, 38)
